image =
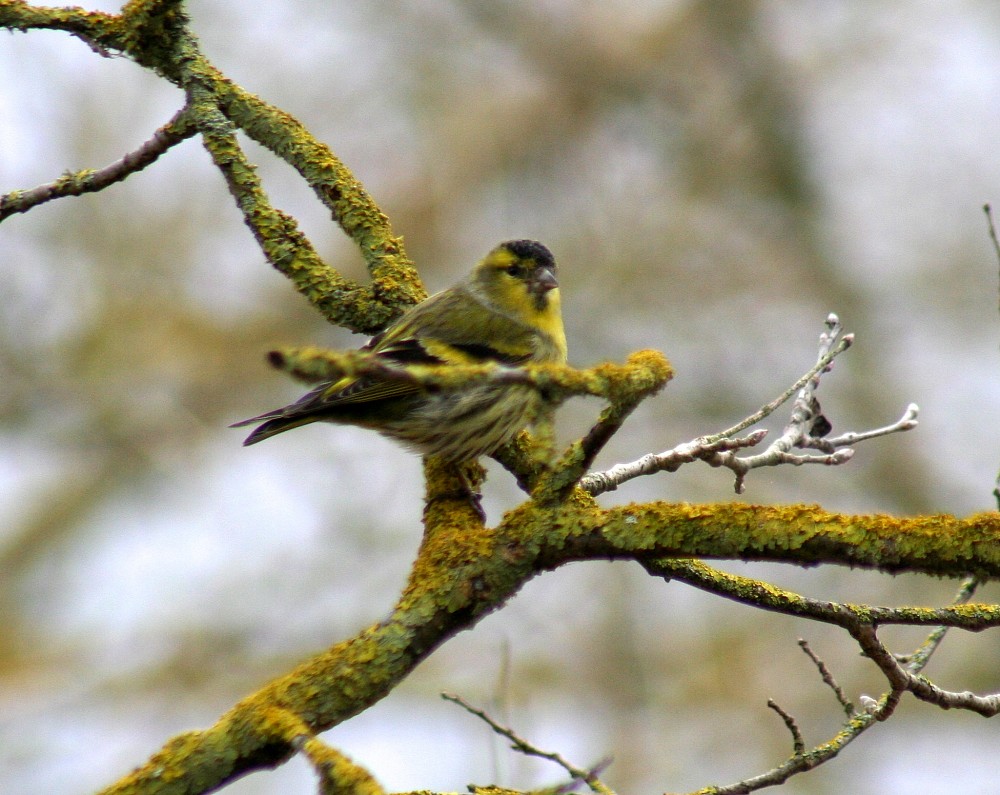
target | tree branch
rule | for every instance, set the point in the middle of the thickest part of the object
(588, 777)
(154, 33)
(827, 678)
(798, 746)
(800, 534)
(77, 183)
(873, 712)
(805, 429)
(465, 570)
(907, 681)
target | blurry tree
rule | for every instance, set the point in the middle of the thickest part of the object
(124, 359)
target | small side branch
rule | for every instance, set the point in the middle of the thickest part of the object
(988, 210)
(916, 661)
(831, 345)
(77, 183)
(395, 282)
(588, 777)
(861, 625)
(903, 680)
(798, 745)
(338, 775)
(827, 677)
(644, 372)
(755, 593)
(797, 763)
(667, 461)
(806, 429)
(336, 772)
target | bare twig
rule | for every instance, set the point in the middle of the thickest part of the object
(807, 425)
(993, 232)
(797, 763)
(828, 351)
(775, 456)
(588, 777)
(798, 746)
(996, 251)
(805, 429)
(860, 621)
(916, 661)
(827, 677)
(667, 461)
(902, 680)
(906, 422)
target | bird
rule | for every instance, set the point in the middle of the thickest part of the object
(507, 311)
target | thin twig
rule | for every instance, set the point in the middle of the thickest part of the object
(667, 461)
(805, 429)
(918, 660)
(77, 183)
(993, 233)
(827, 677)
(828, 352)
(589, 777)
(798, 746)
(860, 622)
(902, 680)
(996, 251)
(907, 422)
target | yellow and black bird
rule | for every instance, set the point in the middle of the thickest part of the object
(506, 311)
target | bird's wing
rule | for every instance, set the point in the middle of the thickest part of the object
(368, 388)
(454, 327)
(429, 335)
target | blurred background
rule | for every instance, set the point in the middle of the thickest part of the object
(713, 177)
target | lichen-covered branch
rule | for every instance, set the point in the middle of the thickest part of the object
(395, 283)
(902, 678)
(93, 27)
(623, 386)
(465, 570)
(643, 372)
(802, 534)
(155, 34)
(756, 593)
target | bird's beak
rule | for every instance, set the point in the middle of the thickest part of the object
(543, 281)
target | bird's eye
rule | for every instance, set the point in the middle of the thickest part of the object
(517, 271)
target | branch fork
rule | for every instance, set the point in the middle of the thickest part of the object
(806, 429)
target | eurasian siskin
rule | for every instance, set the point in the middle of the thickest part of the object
(505, 311)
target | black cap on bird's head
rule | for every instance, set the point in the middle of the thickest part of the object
(516, 270)
(533, 250)
(543, 275)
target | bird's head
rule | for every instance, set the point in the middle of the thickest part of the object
(519, 277)
(518, 280)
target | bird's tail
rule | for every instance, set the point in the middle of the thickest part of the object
(272, 424)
